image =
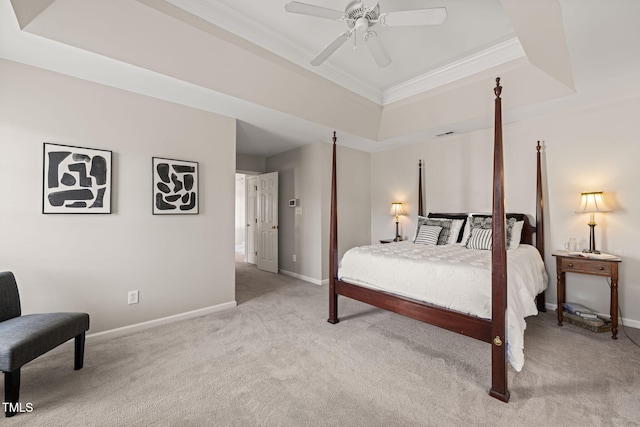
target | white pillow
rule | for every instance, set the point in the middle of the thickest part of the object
(516, 234)
(428, 235)
(467, 232)
(456, 225)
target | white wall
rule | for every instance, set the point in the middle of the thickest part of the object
(246, 163)
(299, 233)
(305, 174)
(178, 263)
(585, 150)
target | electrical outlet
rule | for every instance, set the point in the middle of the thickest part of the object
(294, 257)
(132, 297)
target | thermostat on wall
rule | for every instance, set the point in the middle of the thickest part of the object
(293, 203)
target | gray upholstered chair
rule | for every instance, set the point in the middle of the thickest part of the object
(23, 338)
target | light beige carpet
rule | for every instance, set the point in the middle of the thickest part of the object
(275, 361)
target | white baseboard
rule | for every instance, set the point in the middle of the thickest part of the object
(301, 277)
(621, 320)
(130, 329)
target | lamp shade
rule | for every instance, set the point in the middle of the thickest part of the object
(397, 209)
(592, 202)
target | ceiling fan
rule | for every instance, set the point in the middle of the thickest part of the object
(360, 18)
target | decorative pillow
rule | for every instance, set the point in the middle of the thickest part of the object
(442, 222)
(511, 222)
(428, 235)
(486, 222)
(480, 221)
(480, 238)
(516, 235)
(453, 238)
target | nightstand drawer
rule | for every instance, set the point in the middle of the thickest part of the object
(588, 266)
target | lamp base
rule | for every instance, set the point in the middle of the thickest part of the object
(592, 239)
(589, 251)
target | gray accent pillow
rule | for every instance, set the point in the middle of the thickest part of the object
(444, 223)
(428, 235)
(480, 238)
(486, 222)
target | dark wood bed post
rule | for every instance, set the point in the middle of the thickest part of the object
(420, 206)
(333, 242)
(540, 299)
(499, 388)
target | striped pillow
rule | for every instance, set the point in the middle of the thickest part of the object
(445, 223)
(480, 238)
(428, 235)
(486, 222)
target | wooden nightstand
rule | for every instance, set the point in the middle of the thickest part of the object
(607, 267)
(387, 240)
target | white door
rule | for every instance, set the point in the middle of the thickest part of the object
(268, 222)
(251, 248)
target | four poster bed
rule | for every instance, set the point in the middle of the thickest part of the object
(486, 321)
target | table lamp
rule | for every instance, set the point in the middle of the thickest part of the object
(592, 202)
(397, 209)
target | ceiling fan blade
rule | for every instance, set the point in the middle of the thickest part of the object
(389, 6)
(342, 38)
(309, 9)
(377, 49)
(433, 16)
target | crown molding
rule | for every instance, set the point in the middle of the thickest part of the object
(221, 15)
(480, 61)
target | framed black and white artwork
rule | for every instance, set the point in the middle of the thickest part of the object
(76, 180)
(175, 187)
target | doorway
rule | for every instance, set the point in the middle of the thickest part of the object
(257, 220)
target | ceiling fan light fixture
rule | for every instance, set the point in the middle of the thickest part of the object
(362, 24)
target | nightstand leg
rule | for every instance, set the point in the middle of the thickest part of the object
(560, 286)
(614, 301)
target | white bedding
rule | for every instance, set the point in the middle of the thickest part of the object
(453, 277)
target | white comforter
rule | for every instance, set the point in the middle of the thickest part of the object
(454, 277)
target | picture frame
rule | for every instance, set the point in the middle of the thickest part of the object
(76, 180)
(175, 187)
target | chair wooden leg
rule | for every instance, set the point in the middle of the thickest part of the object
(79, 353)
(11, 392)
